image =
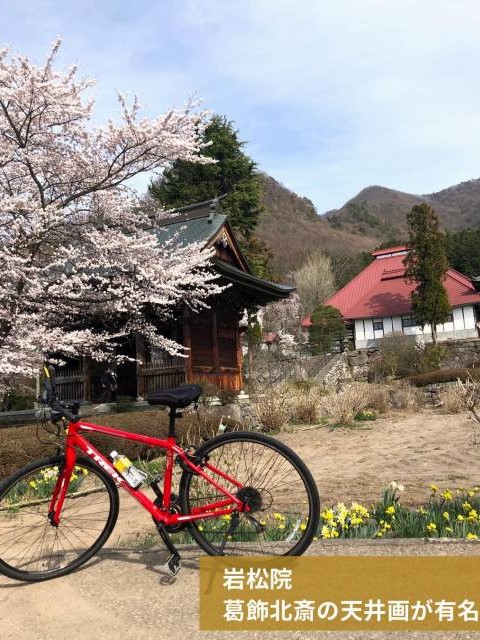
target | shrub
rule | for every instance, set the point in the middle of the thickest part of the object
(432, 357)
(379, 398)
(397, 352)
(343, 406)
(406, 396)
(16, 400)
(271, 407)
(453, 398)
(469, 392)
(305, 404)
(444, 375)
(303, 385)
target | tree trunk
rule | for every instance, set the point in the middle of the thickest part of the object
(434, 333)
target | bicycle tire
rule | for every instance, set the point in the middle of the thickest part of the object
(281, 489)
(31, 548)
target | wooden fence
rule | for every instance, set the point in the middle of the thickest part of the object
(162, 373)
(70, 384)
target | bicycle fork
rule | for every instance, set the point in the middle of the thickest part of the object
(61, 487)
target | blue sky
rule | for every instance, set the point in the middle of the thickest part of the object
(331, 97)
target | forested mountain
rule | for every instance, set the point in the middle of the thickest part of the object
(381, 212)
(376, 216)
(289, 224)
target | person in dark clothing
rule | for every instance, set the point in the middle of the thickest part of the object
(108, 382)
(7, 401)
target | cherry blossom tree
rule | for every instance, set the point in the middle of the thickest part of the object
(82, 264)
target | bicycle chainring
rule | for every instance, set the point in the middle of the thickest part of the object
(174, 508)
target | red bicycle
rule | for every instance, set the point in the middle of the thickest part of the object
(240, 493)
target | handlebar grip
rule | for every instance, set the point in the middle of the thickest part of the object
(60, 408)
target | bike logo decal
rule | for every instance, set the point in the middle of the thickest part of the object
(104, 465)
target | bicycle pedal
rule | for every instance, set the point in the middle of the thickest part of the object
(173, 565)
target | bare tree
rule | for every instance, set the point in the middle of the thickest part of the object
(314, 281)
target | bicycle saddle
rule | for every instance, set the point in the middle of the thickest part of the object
(176, 398)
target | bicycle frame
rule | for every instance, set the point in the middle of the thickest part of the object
(76, 441)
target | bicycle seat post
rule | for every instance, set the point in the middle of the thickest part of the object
(171, 424)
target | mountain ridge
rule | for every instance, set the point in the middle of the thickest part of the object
(292, 228)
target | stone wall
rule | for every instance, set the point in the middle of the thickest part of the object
(360, 362)
(338, 372)
(462, 353)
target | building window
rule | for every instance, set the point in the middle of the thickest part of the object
(377, 324)
(408, 321)
(449, 318)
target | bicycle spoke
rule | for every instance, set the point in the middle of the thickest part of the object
(276, 487)
(30, 545)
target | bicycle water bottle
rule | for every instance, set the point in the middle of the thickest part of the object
(132, 475)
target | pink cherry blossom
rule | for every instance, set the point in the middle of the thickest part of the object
(82, 260)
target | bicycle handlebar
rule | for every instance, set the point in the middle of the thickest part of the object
(64, 410)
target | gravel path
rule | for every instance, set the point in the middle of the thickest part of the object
(120, 594)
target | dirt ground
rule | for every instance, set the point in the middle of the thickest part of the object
(414, 449)
(122, 591)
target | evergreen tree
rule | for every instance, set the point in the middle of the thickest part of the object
(234, 174)
(426, 264)
(327, 329)
(463, 251)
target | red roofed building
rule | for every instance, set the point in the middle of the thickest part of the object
(377, 302)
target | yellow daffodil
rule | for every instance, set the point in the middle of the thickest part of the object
(359, 509)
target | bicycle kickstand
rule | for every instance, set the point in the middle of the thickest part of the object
(173, 564)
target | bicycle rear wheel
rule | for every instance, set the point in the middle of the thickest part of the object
(280, 490)
(31, 548)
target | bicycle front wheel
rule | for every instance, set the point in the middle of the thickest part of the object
(281, 494)
(31, 547)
